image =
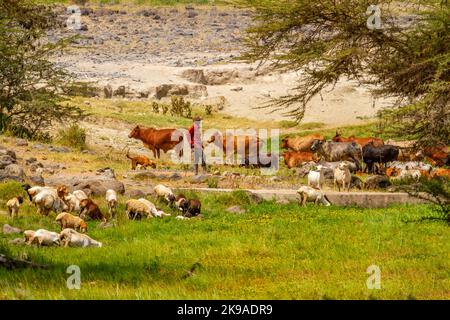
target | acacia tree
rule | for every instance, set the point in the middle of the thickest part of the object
(406, 57)
(33, 90)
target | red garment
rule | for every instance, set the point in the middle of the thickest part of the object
(191, 133)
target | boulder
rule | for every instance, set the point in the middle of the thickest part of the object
(377, 182)
(194, 75)
(108, 91)
(6, 160)
(12, 172)
(135, 193)
(8, 152)
(199, 178)
(168, 90)
(21, 142)
(97, 185)
(7, 229)
(37, 179)
(236, 209)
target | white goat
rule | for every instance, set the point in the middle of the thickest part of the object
(316, 177)
(41, 237)
(72, 238)
(312, 195)
(111, 199)
(342, 176)
(164, 192)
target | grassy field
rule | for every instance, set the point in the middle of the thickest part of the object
(273, 251)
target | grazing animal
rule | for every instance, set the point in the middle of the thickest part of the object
(13, 206)
(66, 220)
(27, 187)
(296, 158)
(383, 155)
(72, 203)
(41, 237)
(179, 200)
(136, 209)
(312, 195)
(80, 194)
(90, 209)
(441, 172)
(153, 210)
(47, 201)
(437, 156)
(62, 191)
(141, 160)
(301, 144)
(338, 151)
(361, 141)
(316, 177)
(111, 199)
(155, 139)
(413, 174)
(342, 177)
(163, 192)
(191, 208)
(34, 191)
(251, 144)
(69, 237)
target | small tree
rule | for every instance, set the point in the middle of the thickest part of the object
(407, 56)
(33, 90)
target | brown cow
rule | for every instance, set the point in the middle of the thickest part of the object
(293, 159)
(377, 142)
(441, 172)
(301, 143)
(437, 156)
(155, 139)
(249, 141)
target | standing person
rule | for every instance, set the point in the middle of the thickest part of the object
(195, 132)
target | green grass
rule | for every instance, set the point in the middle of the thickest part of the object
(271, 252)
(137, 2)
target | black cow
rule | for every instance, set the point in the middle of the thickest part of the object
(381, 154)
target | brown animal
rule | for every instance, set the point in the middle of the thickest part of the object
(191, 208)
(392, 172)
(141, 160)
(407, 154)
(441, 172)
(301, 143)
(250, 143)
(90, 209)
(155, 139)
(62, 191)
(294, 159)
(66, 220)
(437, 156)
(377, 142)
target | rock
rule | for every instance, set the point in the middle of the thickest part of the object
(283, 201)
(236, 209)
(12, 171)
(107, 172)
(275, 179)
(135, 193)
(8, 152)
(255, 197)
(17, 241)
(92, 152)
(356, 183)
(59, 149)
(199, 178)
(30, 160)
(21, 142)
(108, 91)
(141, 175)
(120, 91)
(375, 182)
(37, 179)
(96, 184)
(38, 146)
(175, 176)
(237, 89)
(168, 90)
(6, 160)
(194, 75)
(7, 229)
(35, 166)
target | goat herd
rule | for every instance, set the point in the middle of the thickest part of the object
(74, 227)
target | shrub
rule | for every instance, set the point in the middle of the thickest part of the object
(164, 108)
(181, 108)
(11, 189)
(213, 182)
(73, 136)
(208, 109)
(155, 107)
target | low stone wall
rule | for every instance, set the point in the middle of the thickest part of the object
(359, 199)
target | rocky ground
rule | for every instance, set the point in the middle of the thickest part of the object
(136, 52)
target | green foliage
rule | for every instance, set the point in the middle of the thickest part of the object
(213, 182)
(155, 107)
(73, 136)
(11, 189)
(31, 86)
(208, 109)
(329, 40)
(180, 107)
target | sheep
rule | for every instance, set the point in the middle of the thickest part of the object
(164, 192)
(153, 210)
(179, 200)
(80, 194)
(42, 237)
(69, 237)
(137, 209)
(13, 206)
(111, 199)
(47, 201)
(316, 177)
(342, 176)
(310, 194)
(34, 191)
(66, 220)
(414, 174)
(72, 202)
(62, 191)
(91, 210)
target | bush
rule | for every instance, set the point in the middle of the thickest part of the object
(213, 183)
(73, 136)
(11, 189)
(181, 108)
(155, 107)
(208, 109)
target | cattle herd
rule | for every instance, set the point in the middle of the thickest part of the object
(340, 156)
(74, 209)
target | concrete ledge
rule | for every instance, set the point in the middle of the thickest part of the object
(359, 199)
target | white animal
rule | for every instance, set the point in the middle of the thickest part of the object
(409, 174)
(47, 201)
(312, 195)
(111, 199)
(164, 192)
(155, 212)
(316, 177)
(80, 194)
(418, 165)
(72, 238)
(41, 237)
(72, 202)
(33, 191)
(342, 176)
(13, 206)
(135, 208)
